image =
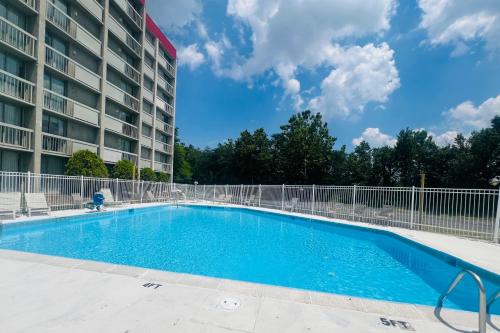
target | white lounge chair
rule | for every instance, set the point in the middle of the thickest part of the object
(108, 198)
(150, 196)
(292, 204)
(250, 200)
(36, 202)
(10, 203)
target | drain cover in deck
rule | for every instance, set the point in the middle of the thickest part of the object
(229, 303)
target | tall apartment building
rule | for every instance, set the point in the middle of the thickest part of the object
(84, 74)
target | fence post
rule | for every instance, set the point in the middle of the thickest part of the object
(28, 189)
(215, 187)
(241, 194)
(497, 219)
(412, 209)
(142, 189)
(204, 189)
(283, 197)
(353, 201)
(81, 191)
(116, 189)
(260, 193)
(312, 203)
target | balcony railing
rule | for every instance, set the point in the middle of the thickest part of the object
(147, 118)
(122, 97)
(93, 7)
(150, 47)
(163, 147)
(145, 163)
(64, 146)
(149, 71)
(130, 11)
(30, 3)
(121, 65)
(167, 65)
(162, 126)
(64, 105)
(162, 83)
(17, 38)
(163, 167)
(164, 106)
(16, 137)
(15, 87)
(68, 66)
(114, 155)
(118, 126)
(147, 94)
(72, 28)
(146, 141)
(124, 36)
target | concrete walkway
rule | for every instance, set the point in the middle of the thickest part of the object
(41, 293)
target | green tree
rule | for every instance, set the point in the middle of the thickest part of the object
(124, 170)
(384, 169)
(148, 174)
(86, 163)
(360, 165)
(253, 157)
(162, 177)
(304, 150)
(414, 153)
(182, 168)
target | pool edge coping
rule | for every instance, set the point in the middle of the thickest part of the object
(332, 300)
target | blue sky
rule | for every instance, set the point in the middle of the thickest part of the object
(371, 67)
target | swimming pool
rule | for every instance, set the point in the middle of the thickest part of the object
(247, 245)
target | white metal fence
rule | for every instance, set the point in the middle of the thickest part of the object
(472, 213)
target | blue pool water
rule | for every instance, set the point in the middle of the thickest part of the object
(259, 247)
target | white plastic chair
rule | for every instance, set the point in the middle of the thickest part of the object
(36, 202)
(10, 203)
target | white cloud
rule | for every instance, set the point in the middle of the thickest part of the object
(190, 56)
(460, 23)
(375, 138)
(292, 35)
(362, 75)
(467, 116)
(444, 139)
(174, 14)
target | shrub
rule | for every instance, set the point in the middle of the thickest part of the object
(163, 177)
(86, 163)
(148, 174)
(124, 170)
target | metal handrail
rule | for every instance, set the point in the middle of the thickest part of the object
(492, 300)
(482, 296)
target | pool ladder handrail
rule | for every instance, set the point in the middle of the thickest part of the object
(492, 299)
(483, 305)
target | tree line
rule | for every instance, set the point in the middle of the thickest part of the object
(303, 152)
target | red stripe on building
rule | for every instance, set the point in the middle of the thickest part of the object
(155, 30)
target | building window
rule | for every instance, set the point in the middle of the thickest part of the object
(11, 114)
(148, 108)
(56, 43)
(54, 84)
(62, 5)
(148, 84)
(146, 153)
(147, 130)
(12, 15)
(11, 65)
(53, 125)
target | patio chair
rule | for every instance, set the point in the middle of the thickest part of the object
(385, 215)
(250, 200)
(77, 199)
(108, 198)
(292, 204)
(150, 196)
(36, 202)
(10, 203)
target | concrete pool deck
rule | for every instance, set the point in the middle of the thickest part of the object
(40, 293)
